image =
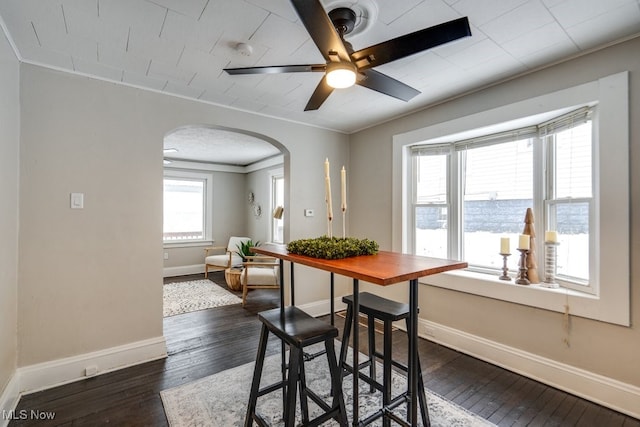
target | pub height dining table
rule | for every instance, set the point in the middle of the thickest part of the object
(384, 269)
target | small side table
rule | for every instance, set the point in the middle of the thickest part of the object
(232, 277)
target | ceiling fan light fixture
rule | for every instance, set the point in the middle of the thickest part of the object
(341, 75)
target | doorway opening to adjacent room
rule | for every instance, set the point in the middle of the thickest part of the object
(217, 183)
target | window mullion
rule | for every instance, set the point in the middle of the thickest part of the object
(414, 205)
(456, 183)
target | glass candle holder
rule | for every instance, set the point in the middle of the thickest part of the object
(550, 265)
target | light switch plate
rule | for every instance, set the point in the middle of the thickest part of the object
(308, 212)
(77, 200)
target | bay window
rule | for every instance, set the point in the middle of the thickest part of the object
(470, 193)
(565, 154)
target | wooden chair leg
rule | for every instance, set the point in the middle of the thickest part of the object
(244, 293)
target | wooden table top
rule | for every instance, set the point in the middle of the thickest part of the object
(384, 268)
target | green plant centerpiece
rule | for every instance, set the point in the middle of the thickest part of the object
(333, 247)
(244, 249)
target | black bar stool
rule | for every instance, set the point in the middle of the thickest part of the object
(297, 329)
(387, 311)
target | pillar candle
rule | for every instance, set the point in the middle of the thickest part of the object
(551, 236)
(343, 188)
(523, 242)
(505, 245)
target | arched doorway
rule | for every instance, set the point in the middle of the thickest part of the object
(219, 182)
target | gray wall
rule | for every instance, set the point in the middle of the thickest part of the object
(9, 159)
(598, 347)
(104, 266)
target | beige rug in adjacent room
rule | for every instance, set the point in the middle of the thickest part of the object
(184, 297)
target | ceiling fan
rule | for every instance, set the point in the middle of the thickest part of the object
(344, 66)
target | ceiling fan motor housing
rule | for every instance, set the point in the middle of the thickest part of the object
(344, 20)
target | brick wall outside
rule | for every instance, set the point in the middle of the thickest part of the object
(505, 216)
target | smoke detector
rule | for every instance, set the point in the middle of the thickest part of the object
(244, 49)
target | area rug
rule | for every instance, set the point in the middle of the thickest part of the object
(184, 297)
(221, 399)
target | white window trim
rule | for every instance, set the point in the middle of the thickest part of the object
(274, 173)
(208, 220)
(611, 137)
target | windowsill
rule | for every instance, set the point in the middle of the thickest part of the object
(580, 303)
(199, 243)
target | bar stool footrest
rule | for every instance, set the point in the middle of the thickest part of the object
(387, 411)
(260, 421)
(348, 370)
(308, 357)
(272, 387)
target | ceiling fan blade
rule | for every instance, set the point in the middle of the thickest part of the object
(387, 85)
(411, 43)
(276, 69)
(320, 28)
(322, 92)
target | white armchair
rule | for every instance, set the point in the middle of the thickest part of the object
(223, 257)
(260, 272)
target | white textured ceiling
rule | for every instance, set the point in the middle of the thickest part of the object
(181, 46)
(213, 145)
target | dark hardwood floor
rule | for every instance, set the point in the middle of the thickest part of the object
(209, 341)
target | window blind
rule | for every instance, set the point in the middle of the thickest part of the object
(555, 125)
(566, 121)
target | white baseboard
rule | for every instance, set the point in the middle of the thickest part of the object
(9, 400)
(322, 308)
(62, 371)
(602, 390)
(605, 391)
(183, 270)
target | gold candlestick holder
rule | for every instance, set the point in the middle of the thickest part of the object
(522, 271)
(505, 270)
(550, 258)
